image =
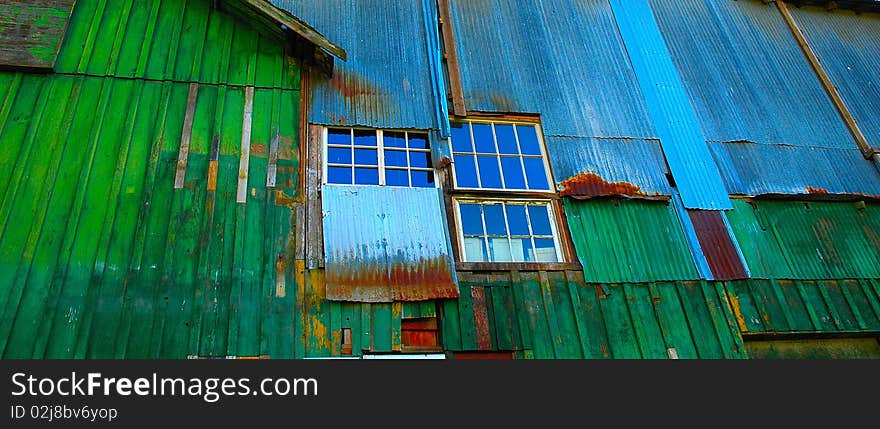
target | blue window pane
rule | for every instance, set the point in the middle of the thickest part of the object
(490, 176)
(394, 139)
(366, 176)
(545, 251)
(364, 137)
(418, 141)
(475, 250)
(522, 250)
(494, 219)
(339, 175)
(540, 220)
(471, 219)
(396, 178)
(506, 140)
(339, 136)
(516, 219)
(423, 179)
(536, 174)
(483, 138)
(528, 140)
(366, 157)
(465, 172)
(338, 155)
(461, 137)
(395, 158)
(513, 175)
(419, 159)
(499, 249)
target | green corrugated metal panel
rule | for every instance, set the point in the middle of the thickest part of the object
(800, 306)
(629, 241)
(180, 40)
(557, 315)
(101, 257)
(815, 240)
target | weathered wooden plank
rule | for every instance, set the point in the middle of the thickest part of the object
(314, 211)
(31, 32)
(186, 136)
(447, 29)
(244, 161)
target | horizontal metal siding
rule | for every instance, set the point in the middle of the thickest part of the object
(555, 315)
(629, 241)
(102, 258)
(848, 44)
(806, 306)
(386, 81)
(565, 61)
(752, 89)
(690, 162)
(386, 244)
(178, 40)
(816, 240)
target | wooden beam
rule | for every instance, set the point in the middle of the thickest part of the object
(449, 53)
(814, 61)
(299, 27)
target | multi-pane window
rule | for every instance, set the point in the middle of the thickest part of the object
(378, 157)
(507, 231)
(508, 158)
(501, 156)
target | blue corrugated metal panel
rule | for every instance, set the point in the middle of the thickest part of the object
(386, 244)
(687, 154)
(758, 169)
(386, 82)
(848, 44)
(571, 156)
(771, 125)
(566, 61)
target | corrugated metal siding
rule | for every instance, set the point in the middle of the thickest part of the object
(696, 176)
(184, 41)
(816, 240)
(102, 257)
(749, 82)
(801, 306)
(849, 46)
(565, 61)
(385, 244)
(549, 315)
(717, 245)
(629, 241)
(386, 82)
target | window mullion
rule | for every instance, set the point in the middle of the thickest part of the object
(497, 156)
(531, 231)
(485, 234)
(522, 162)
(380, 154)
(474, 154)
(507, 228)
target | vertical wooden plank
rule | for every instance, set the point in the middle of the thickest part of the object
(272, 169)
(396, 316)
(641, 312)
(186, 136)
(481, 318)
(314, 210)
(621, 337)
(449, 52)
(244, 161)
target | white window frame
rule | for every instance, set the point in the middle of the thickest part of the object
(551, 212)
(380, 153)
(541, 143)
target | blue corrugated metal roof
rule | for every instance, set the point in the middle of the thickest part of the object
(565, 61)
(848, 44)
(386, 244)
(687, 155)
(772, 127)
(386, 81)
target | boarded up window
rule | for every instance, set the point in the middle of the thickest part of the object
(31, 32)
(419, 335)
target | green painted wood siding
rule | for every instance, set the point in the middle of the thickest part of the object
(629, 241)
(815, 240)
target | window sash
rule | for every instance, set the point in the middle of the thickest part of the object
(381, 150)
(466, 241)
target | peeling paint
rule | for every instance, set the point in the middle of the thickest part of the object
(590, 185)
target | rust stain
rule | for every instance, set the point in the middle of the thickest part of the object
(212, 175)
(481, 318)
(604, 350)
(818, 191)
(593, 185)
(286, 149)
(258, 150)
(353, 279)
(737, 312)
(284, 200)
(280, 276)
(351, 85)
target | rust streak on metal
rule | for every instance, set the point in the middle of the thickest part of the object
(737, 312)
(377, 281)
(280, 276)
(481, 318)
(818, 191)
(351, 85)
(212, 175)
(593, 185)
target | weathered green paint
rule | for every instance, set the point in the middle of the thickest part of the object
(808, 240)
(179, 40)
(558, 315)
(629, 241)
(834, 348)
(31, 32)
